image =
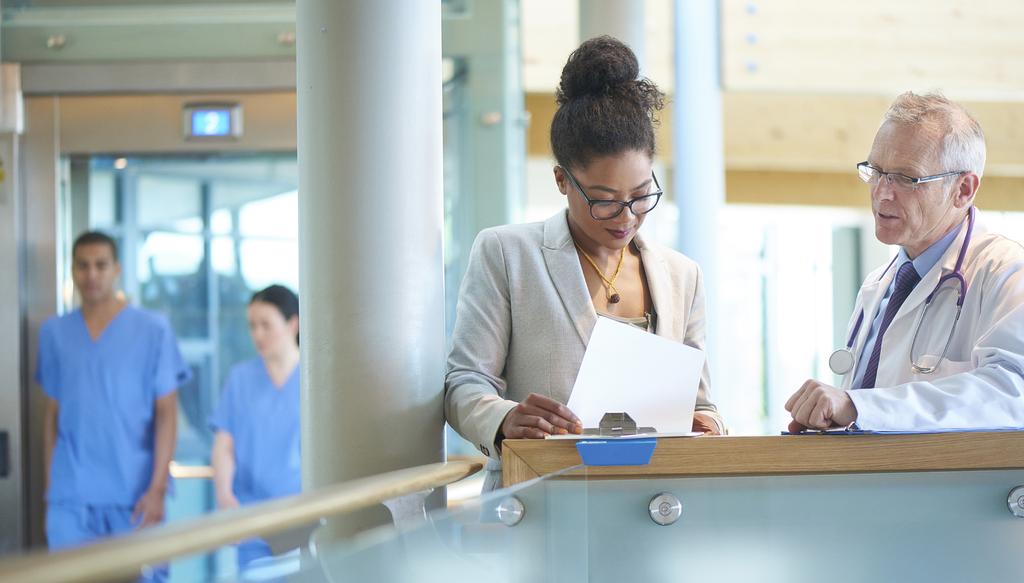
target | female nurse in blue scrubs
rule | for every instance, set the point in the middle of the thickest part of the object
(256, 442)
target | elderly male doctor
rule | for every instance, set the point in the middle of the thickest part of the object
(910, 364)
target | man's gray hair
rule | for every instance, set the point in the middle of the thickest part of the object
(963, 143)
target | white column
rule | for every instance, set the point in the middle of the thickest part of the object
(698, 158)
(370, 219)
(622, 19)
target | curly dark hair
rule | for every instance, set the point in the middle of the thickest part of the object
(604, 107)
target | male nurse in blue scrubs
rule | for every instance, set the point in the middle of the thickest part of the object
(110, 372)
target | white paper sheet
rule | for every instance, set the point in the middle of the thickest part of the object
(625, 369)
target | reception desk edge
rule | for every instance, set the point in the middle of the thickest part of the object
(526, 459)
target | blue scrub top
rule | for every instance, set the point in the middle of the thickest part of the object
(107, 391)
(263, 421)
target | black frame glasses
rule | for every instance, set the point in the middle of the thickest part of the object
(622, 205)
(871, 175)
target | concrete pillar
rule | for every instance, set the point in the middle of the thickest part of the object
(622, 19)
(370, 234)
(698, 155)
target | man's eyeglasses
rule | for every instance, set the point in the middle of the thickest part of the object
(873, 176)
(602, 210)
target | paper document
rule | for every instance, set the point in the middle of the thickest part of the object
(628, 370)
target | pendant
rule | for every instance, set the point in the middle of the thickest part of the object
(614, 299)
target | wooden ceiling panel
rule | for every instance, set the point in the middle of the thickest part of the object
(789, 131)
(967, 48)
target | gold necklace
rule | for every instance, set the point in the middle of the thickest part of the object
(611, 292)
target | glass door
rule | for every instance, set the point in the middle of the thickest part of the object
(198, 234)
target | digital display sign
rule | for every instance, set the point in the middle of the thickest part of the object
(212, 121)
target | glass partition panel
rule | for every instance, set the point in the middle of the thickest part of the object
(926, 526)
(471, 542)
(948, 526)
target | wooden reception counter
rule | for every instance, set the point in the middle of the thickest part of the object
(525, 459)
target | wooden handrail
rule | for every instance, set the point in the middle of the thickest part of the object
(124, 556)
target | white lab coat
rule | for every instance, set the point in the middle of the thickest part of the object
(980, 383)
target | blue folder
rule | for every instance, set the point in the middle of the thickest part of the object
(616, 452)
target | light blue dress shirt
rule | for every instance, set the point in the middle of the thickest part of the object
(922, 265)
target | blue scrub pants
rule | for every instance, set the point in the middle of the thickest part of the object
(69, 525)
(251, 549)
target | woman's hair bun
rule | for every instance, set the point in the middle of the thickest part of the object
(598, 67)
(604, 107)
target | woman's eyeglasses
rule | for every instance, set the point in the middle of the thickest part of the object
(602, 210)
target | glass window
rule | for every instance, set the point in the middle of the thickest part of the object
(267, 261)
(102, 206)
(172, 280)
(223, 256)
(167, 201)
(270, 217)
(222, 222)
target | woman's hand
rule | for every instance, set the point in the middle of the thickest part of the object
(705, 424)
(539, 416)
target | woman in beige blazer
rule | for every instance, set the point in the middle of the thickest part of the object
(532, 293)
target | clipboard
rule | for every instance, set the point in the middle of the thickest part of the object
(617, 442)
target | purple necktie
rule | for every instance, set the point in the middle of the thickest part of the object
(906, 279)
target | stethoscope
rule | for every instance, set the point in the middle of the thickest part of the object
(842, 360)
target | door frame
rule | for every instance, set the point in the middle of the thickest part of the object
(60, 125)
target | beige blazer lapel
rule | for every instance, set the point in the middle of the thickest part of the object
(563, 266)
(660, 286)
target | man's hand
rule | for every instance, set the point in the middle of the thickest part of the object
(227, 501)
(149, 510)
(820, 406)
(539, 416)
(705, 424)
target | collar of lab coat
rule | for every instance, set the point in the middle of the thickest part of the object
(875, 288)
(945, 265)
(566, 273)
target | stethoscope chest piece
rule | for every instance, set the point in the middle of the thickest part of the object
(841, 361)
